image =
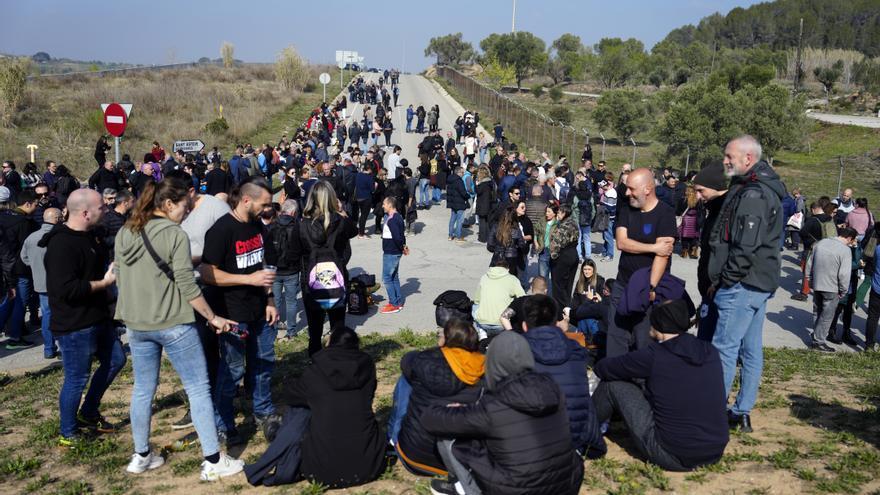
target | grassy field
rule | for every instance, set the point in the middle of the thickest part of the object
(817, 431)
(63, 116)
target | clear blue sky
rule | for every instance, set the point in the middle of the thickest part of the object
(386, 32)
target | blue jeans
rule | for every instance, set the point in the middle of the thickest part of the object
(482, 155)
(544, 264)
(738, 334)
(12, 311)
(409, 125)
(585, 245)
(391, 279)
(258, 350)
(455, 219)
(49, 346)
(424, 194)
(608, 236)
(399, 404)
(438, 194)
(77, 349)
(286, 289)
(184, 350)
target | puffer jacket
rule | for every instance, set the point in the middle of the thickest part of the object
(565, 361)
(513, 249)
(745, 240)
(433, 384)
(520, 440)
(456, 195)
(565, 235)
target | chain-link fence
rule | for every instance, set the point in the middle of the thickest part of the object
(523, 126)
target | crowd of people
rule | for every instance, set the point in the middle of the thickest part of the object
(193, 255)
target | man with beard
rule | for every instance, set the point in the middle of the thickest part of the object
(240, 289)
(645, 232)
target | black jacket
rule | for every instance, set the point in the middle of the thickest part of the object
(15, 228)
(521, 442)
(217, 181)
(584, 194)
(73, 259)
(713, 209)
(745, 241)
(433, 384)
(685, 387)
(111, 223)
(456, 194)
(104, 179)
(314, 230)
(566, 361)
(343, 445)
(485, 197)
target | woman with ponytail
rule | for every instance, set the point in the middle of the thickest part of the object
(157, 295)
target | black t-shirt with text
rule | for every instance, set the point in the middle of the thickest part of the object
(237, 248)
(644, 227)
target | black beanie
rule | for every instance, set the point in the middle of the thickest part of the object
(712, 176)
(671, 317)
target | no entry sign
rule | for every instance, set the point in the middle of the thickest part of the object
(115, 119)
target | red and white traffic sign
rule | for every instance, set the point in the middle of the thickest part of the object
(115, 119)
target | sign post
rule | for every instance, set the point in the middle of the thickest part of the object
(115, 120)
(324, 78)
(33, 148)
(341, 65)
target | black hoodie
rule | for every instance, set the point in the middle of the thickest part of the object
(343, 445)
(73, 259)
(686, 390)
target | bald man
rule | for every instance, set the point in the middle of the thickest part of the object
(744, 268)
(644, 232)
(32, 255)
(78, 276)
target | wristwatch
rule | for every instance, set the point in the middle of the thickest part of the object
(651, 288)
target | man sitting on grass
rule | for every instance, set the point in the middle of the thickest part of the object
(679, 422)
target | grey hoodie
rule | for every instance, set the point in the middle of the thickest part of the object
(509, 354)
(32, 256)
(745, 240)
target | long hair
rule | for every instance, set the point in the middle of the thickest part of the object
(483, 173)
(690, 195)
(321, 203)
(506, 224)
(584, 282)
(460, 334)
(151, 199)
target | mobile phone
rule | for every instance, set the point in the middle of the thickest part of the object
(238, 331)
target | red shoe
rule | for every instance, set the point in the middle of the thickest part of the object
(389, 308)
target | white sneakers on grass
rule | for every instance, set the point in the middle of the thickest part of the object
(140, 464)
(226, 466)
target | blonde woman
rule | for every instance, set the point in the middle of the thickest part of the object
(325, 231)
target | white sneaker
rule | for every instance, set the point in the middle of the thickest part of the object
(140, 464)
(226, 466)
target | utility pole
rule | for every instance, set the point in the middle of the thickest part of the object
(513, 20)
(798, 65)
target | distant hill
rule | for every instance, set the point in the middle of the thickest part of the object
(847, 24)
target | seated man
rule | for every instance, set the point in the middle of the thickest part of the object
(497, 289)
(565, 361)
(680, 421)
(512, 318)
(448, 373)
(330, 436)
(515, 439)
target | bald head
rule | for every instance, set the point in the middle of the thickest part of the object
(640, 189)
(85, 207)
(52, 216)
(79, 200)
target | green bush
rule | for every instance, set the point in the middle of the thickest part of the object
(555, 94)
(217, 126)
(561, 114)
(538, 90)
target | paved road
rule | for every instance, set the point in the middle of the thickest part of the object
(856, 120)
(436, 264)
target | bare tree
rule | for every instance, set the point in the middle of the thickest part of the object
(290, 69)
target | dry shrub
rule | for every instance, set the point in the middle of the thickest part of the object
(813, 58)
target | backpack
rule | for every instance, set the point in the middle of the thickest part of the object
(325, 282)
(453, 304)
(829, 230)
(564, 192)
(357, 298)
(281, 239)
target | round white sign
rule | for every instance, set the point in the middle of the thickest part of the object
(341, 64)
(324, 78)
